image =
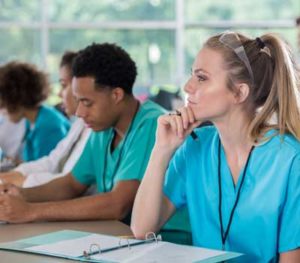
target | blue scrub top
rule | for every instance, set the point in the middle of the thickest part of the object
(97, 165)
(267, 218)
(49, 128)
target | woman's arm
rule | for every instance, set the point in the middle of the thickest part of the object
(292, 256)
(151, 207)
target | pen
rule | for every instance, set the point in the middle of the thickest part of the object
(194, 136)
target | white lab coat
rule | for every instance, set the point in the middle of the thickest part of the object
(11, 136)
(49, 167)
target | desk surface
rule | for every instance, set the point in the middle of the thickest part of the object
(11, 232)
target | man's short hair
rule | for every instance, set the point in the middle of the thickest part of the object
(109, 64)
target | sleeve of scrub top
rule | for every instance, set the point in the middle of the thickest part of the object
(289, 228)
(174, 184)
(44, 143)
(83, 170)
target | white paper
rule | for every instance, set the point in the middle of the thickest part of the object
(159, 252)
(146, 253)
(126, 254)
(76, 247)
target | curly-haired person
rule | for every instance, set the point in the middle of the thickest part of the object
(23, 89)
(115, 156)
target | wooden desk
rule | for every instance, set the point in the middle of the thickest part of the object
(11, 232)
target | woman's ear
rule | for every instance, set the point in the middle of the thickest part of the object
(118, 94)
(241, 93)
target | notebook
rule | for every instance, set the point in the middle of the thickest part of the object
(90, 247)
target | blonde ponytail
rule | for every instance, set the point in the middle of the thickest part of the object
(284, 96)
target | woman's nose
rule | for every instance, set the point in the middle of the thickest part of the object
(188, 86)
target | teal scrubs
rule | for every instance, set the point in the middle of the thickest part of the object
(48, 129)
(266, 221)
(98, 165)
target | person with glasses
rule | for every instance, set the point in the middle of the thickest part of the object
(241, 177)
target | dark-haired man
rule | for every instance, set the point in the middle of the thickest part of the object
(114, 158)
(115, 155)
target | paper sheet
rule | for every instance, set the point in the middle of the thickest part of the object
(75, 247)
(159, 252)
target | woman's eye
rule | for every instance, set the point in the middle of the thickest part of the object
(201, 78)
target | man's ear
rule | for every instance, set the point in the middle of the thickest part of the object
(241, 92)
(118, 94)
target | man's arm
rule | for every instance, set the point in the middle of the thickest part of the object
(62, 188)
(112, 205)
(13, 177)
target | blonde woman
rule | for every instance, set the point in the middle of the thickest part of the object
(241, 178)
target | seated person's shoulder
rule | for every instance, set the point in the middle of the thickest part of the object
(292, 143)
(287, 143)
(151, 110)
(52, 118)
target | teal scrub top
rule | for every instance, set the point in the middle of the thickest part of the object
(266, 221)
(98, 165)
(49, 128)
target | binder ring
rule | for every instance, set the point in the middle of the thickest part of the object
(97, 246)
(128, 243)
(94, 249)
(152, 236)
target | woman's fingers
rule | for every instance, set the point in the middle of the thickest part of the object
(181, 122)
(180, 125)
(173, 124)
(187, 115)
(184, 117)
(190, 114)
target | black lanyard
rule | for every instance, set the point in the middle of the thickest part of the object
(120, 151)
(225, 235)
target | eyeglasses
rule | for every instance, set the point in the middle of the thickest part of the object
(232, 41)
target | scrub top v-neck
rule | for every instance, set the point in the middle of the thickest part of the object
(267, 216)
